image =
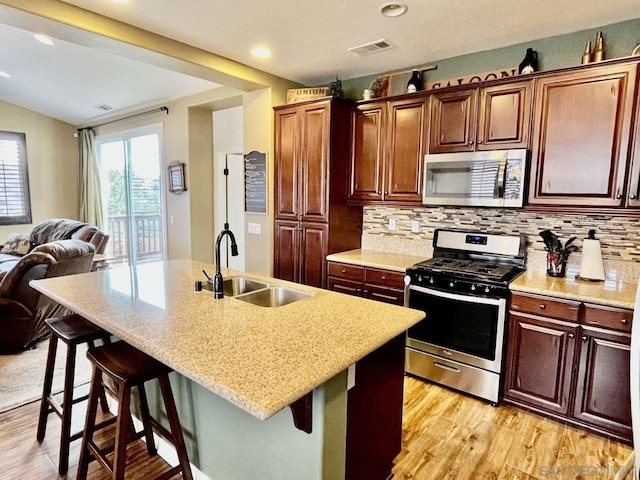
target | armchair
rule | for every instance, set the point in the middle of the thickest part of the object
(22, 309)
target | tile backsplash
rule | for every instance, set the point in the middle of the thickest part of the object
(619, 236)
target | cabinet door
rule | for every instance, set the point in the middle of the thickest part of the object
(287, 250)
(633, 185)
(453, 121)
(540, 362)
(286, 163)
(602, 386)
(315, 124)
(367, 151)
(581, 131)
(404, 152)
(504, 116)
(313, 250)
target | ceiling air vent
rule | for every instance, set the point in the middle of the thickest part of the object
(372, 47)
(103, 107)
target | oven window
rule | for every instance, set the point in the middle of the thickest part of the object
(466, 327)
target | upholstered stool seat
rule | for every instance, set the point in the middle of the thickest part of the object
(73, 330)
(128, 367)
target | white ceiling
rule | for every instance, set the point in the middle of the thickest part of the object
(309, 41)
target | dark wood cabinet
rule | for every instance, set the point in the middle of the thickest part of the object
(387, 149)
(633, 182)
(581, 133)
(485, 118)
(541, 354)
(570, 360)
(377, 284)
(312, 218)
(602, 383)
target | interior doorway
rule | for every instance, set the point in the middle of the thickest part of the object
(228, 181)
(130, 176)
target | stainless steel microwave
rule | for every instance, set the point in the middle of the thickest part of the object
(482, 179)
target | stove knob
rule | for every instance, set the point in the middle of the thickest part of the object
(419, 278)
(431, 280)
(452, 284)
(473, 287)
(487, 289)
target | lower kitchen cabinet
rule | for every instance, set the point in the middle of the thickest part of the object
(368, 282)
(570, 360)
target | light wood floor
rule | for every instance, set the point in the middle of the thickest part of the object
(445, 436)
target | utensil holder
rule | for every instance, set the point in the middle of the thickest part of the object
(557, 264)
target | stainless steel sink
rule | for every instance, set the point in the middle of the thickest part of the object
(238, 285)
(274, 297)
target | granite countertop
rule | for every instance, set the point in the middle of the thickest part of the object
(259, 359)
(613, 291)
(373, 258)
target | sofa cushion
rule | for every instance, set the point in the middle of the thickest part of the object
(17, 244)
(85, 233)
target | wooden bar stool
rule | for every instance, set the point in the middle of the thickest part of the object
(128, 367)
(73, 330)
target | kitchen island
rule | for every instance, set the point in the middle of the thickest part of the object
(240, 365)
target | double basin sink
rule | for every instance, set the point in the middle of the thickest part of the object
(260, 293)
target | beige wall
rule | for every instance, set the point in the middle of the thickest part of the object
(52, 161)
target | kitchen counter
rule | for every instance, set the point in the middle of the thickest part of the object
(260, 359)
(373, 258)
(612, 292)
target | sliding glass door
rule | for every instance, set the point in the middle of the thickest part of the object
(130, 165)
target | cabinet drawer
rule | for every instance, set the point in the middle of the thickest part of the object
(546, 306)
(608, 317)
(342, 270)
(385, 278)
(386, 295)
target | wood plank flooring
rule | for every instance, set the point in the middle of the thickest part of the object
(445, 436)
(450, 436)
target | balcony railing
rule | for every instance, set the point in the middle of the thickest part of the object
(148, 237)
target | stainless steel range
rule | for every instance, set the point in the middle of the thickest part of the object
(463, 290)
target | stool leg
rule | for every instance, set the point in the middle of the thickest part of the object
(89, 426)
(146, 420)
(103, 395)
(67, 404)
(176, 429)
(120, 456)
(46, 389)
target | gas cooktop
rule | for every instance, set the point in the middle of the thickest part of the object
(481, 270)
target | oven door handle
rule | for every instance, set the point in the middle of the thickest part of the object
(460, 298)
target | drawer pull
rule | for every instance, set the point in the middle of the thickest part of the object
(542, 306)
(624, 321)
(446, 367)
(344, 270)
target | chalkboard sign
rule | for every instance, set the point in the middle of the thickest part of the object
(255, 182)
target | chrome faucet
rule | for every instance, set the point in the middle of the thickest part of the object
(218, 281)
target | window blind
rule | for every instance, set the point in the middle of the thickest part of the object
(15, 204)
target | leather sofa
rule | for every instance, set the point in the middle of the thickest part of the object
(23, 309)
(54, 229)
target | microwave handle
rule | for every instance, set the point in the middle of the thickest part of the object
(502, 178)
(460, 298)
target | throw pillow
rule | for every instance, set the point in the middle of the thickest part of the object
(17, 244)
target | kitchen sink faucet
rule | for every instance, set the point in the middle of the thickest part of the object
(218, 281)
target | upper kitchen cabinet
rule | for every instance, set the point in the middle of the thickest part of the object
(387, 149)
(312, 218)
(633, 183)
(581, 132)
(487, 118)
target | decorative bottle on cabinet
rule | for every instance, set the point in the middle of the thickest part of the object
(530, 62)
(586, 57)
(598, 51)
(415, 82)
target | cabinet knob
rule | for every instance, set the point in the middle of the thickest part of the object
(386, 192)
(584, 338)
(619, 196)
(542, 306)
(343, 271)
(479, 142)
(633, 196)
(624, 321)
(571, 335)
(383, 277)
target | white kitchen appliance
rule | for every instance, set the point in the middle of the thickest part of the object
(634, 384)
(591, 267)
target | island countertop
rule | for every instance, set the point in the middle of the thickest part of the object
(258, 358)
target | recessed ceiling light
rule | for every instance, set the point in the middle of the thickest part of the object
(261, 52)
(43, 39)
(393, 9)
(4, 74)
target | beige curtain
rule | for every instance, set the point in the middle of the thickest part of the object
(90, 201)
